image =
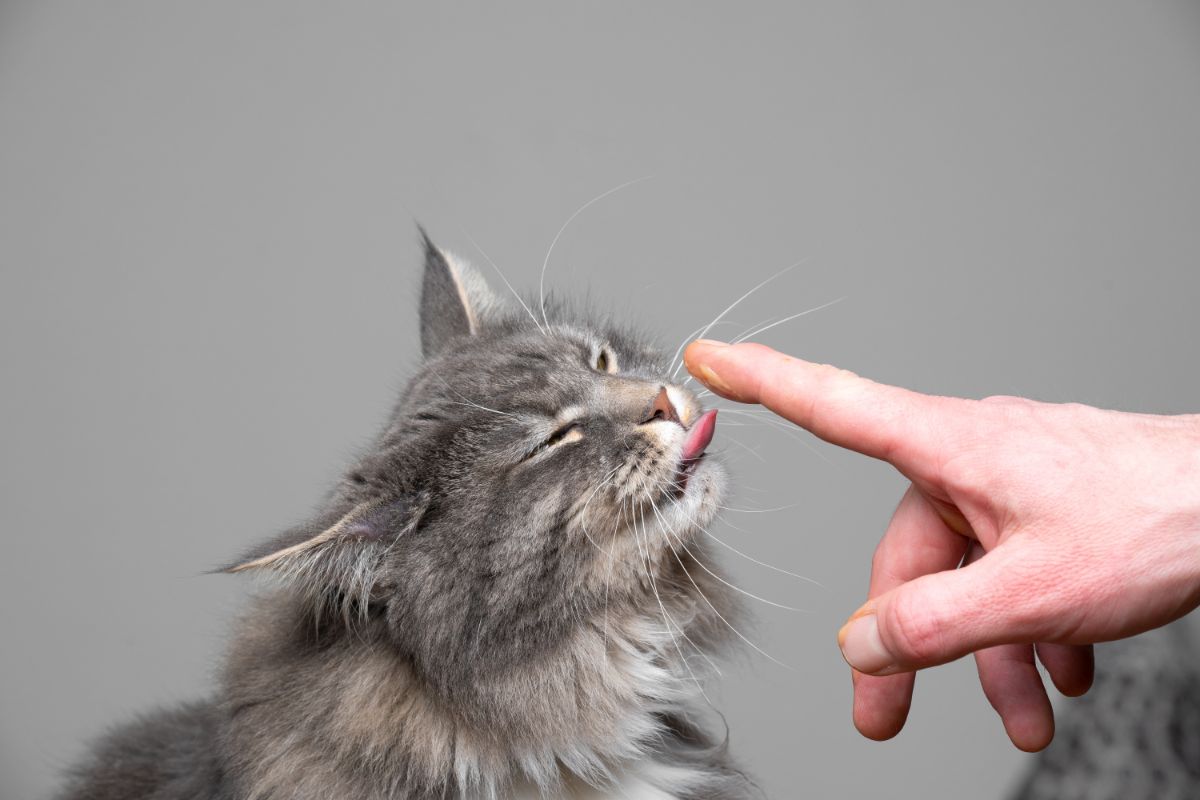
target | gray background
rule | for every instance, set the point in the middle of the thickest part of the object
(209, 265)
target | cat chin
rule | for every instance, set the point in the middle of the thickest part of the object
(700, 501)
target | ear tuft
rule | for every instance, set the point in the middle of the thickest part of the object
(454, 299)
(347, 546)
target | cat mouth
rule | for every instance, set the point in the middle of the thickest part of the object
(698, 437)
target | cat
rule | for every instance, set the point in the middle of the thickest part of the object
(506, 595)
(1136, 734)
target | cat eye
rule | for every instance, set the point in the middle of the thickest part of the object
(559, 435)
(567, 433)
(605, 361)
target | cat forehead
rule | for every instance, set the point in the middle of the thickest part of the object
(534, 373)
(560, 345)
(562, 336)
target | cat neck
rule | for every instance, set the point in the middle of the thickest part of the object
(600, 710)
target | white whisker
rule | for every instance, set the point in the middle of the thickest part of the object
(477, 405)
(766, 321)
(506, 283)
(734, 304)
(469, 401)
(583, 512)
(754, 560)
(759, 510)
(671, 366)
(745, 447)
(757, 331)
(791, 430)
(740, 590)
(666, 617)
(720, 616)
(580, 210)
(750, 558)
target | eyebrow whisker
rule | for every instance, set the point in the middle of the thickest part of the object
(570, 219)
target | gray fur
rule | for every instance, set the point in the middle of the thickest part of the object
(1136, 734)
(490, 603)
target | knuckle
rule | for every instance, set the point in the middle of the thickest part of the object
(834, 379)
(879, 559)
(883, 566)
(1006, 400)
(755, 347)
(915, 630)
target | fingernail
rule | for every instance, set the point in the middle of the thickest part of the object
(861, 646)
(711, 343)
(712, 380)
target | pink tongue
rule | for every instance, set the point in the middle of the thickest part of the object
(699, 435)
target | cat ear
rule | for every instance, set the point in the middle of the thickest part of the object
(455, 299)
(343, 556)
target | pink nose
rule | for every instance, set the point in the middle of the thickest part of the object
(662, 408)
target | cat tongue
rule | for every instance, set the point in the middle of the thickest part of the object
(699, 435)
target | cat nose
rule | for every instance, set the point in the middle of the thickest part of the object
(662, 408)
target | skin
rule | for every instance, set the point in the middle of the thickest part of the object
(1030, 530)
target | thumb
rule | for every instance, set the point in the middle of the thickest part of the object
(944, 616)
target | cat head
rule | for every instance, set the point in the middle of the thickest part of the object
(539, 471)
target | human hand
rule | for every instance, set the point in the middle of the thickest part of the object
(1072, 525)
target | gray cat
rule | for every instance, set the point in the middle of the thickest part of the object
(1136, 734)
(506, 596)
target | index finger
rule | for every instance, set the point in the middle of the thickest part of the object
(881, 421)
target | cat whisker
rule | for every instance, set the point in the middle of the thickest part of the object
(720, 616)
(480, 407)
(667, 619)
(611, 557)
(745, 410)
(747, 448)
(759, 330)
(763, 328)
(672, 367)
(469, 401)
(738, 589)
(749, 558)
(699, 650)
(679, 350)
(754, 560)
(734, 304)
(606, 480)
(506, 283)
(769, 319)
(570, 219)
(759, 510)
(772, 419)
(607, 586)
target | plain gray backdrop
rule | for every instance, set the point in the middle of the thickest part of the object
(210, 267)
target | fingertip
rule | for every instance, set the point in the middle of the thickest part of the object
(1030, 732)
(1072, 668)
(698, 350)
(878, 729)
(1011, 683)
(702, 358)
(881, 704)
(1074, 690)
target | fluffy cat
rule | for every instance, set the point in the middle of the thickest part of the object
(506, 596)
